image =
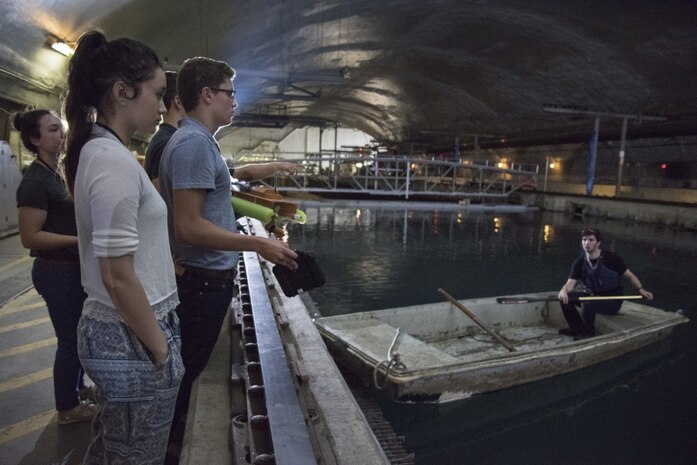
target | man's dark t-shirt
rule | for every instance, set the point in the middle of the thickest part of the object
(154, 152)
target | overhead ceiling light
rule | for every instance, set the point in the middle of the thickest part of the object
(59, 45)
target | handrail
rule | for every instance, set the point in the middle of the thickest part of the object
(290, 439)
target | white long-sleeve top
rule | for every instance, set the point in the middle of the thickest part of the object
(119, 212)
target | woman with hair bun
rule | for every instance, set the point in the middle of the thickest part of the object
(47, 227)
(128, 335)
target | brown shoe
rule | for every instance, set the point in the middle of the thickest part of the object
(83, 412)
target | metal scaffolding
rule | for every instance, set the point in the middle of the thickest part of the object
(403, 176)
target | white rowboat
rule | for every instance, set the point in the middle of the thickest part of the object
(435, 352)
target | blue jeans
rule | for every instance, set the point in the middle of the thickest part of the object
(203, 305)
(136, 396)
(59, 285)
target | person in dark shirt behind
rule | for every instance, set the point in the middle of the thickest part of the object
(170, 123)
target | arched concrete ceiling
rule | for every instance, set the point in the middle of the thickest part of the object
(411, 71)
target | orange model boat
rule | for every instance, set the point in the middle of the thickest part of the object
(268, 197)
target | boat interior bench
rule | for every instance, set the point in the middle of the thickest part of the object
(620, 321)
(373, 337)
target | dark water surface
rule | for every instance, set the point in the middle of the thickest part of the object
(637, 409)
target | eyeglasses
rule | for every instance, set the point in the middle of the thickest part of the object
(230, 92)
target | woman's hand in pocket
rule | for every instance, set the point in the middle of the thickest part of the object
(160, 355)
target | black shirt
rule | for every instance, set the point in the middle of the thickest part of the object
(154, 152)
(44, 190)
(609, 259)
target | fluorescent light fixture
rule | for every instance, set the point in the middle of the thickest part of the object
(62, 48)
(59, 45)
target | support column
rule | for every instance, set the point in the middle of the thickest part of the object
(321, 131)
(335, 169)
(336, 137)
(620, 161)
(590, 178)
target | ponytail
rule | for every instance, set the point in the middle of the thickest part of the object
(80, 101)
(93, 69)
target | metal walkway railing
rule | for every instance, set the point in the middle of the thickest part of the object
(404, 177)
(276, 429)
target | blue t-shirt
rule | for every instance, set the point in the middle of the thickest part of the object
(192, 160)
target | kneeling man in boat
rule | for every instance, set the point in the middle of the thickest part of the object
(601, 273)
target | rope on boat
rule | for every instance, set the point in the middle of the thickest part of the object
(391, 362)
(545, 311)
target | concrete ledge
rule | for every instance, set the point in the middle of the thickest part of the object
(207, 437)
(339, 430)
(344, 432)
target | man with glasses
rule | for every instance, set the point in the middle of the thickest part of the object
(195, 184)
(601, 273)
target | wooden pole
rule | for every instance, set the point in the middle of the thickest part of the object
(552, 298)
(474, 318)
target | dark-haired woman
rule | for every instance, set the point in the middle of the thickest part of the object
(128, 335)
(47, 228)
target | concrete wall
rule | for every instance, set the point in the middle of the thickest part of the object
(683, 216)
(643, 163)
(248, 144)
(10, 178)
(657, 194)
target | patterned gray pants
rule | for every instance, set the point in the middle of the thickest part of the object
(136, 397)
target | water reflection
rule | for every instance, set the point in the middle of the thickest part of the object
(547, 231)
(387, 257)
(395, 257)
